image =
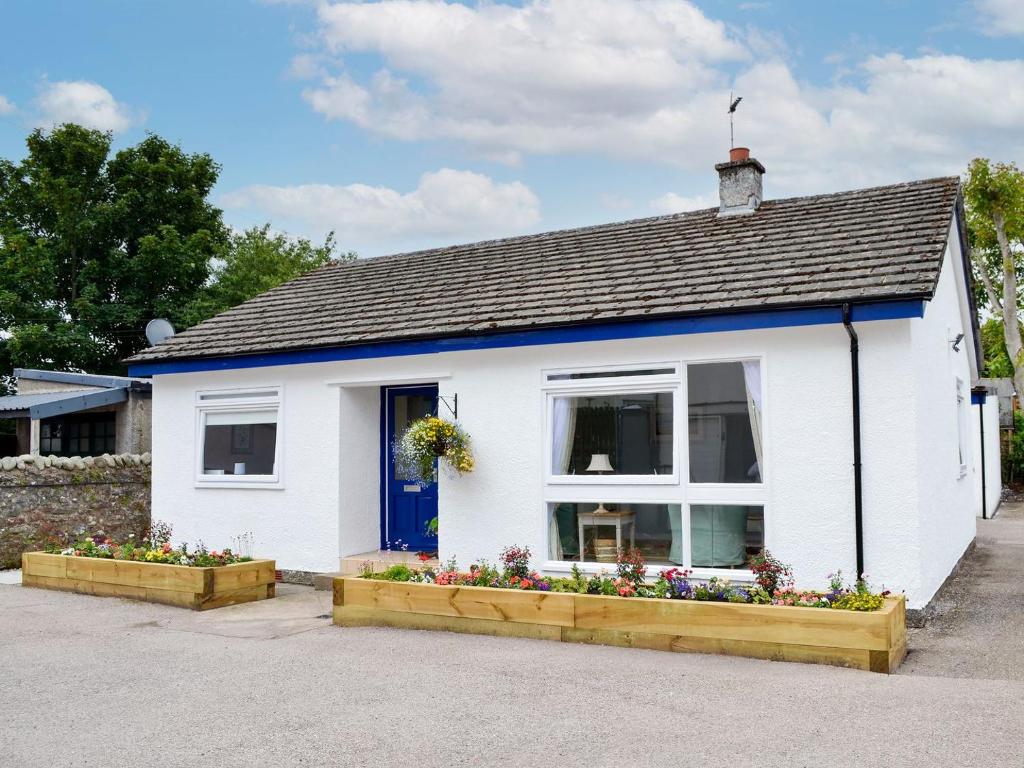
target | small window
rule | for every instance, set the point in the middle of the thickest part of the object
(239, 436)
(594, 532)
(597, 435)
(725, 413)
(961, 427)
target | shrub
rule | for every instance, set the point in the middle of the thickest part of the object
(397, 572)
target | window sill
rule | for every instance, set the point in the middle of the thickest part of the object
(267, 485)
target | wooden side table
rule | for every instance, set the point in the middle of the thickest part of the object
(616, 519)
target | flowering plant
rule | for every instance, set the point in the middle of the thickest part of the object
(429, 439)
(516, 560)
(631, 568)
(630, 581)
(770, 573)
(155, 547)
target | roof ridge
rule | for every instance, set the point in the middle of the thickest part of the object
(631, 222)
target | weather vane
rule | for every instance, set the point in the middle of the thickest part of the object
(733, 103)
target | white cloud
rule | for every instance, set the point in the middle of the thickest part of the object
(446, 206)
(537, 78)
(649, 81)
(6, 106)
(1002, 17)
(85, 103)
(671, 202)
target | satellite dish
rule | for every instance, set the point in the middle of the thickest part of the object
(158, 330)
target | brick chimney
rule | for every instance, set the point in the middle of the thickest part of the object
(739, 183)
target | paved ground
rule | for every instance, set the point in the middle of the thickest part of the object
(103, 682)
(979, 632)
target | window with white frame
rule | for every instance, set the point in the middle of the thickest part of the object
(961, 427)
(617, 478)
(610, 426)
(724, 407)
(238, 436)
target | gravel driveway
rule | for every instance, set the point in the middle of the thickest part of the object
(104, 682)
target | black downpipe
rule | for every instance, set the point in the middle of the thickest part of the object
(984, 477)
(858, 501)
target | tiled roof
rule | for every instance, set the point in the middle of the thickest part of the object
(864, 245)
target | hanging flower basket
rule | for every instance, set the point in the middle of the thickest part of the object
(428, 440)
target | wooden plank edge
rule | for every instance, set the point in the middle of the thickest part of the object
(359, 616)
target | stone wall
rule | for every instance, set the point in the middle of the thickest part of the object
(54, 499)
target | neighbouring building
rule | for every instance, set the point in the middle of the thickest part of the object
(793, 374)
(78, 414)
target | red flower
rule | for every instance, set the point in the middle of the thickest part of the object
(423, 556)
(166, 547)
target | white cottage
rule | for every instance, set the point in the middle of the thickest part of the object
(795, 374)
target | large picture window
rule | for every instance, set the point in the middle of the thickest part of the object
(617, 477)
(724, 406)
(238, 437)
(596, 435)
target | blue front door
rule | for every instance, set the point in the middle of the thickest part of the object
(408, 506)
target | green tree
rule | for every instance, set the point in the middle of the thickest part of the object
(253, 262)
(994, 194)
(993, 345)
(93, 246)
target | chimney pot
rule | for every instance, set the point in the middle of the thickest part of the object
(739, 183)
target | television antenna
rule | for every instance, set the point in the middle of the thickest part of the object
(733, 103)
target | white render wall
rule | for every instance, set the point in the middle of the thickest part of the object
(947, 499)
(993, 473)
(297, 525)
(329, 505)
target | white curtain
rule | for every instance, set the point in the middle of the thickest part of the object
(563, 433)
(752, 380)
(554, 540)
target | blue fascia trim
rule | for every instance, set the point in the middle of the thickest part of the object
(977, 398)
(740, 321)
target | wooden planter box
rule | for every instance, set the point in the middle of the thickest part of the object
(875, 641)
(197, 588)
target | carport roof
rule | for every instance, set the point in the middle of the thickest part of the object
(42, 405)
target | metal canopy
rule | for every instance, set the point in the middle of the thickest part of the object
(45, 405)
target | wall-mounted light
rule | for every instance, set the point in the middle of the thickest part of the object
(956, 342)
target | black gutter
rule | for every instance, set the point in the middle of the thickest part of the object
(858, 501)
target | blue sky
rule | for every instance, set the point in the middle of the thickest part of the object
(409, 124)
